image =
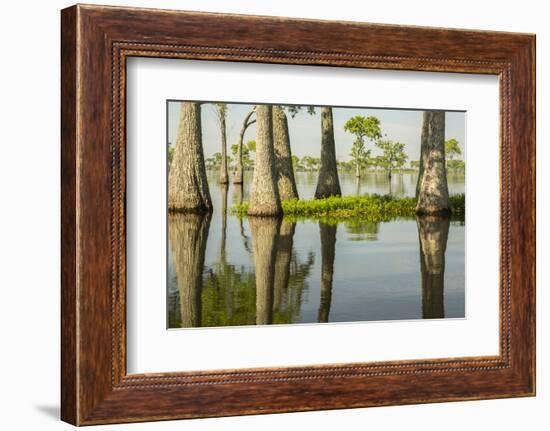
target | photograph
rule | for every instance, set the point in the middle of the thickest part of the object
(281, 211)
(289, 214)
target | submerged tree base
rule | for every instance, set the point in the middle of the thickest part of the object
(173, 209)
(368, 207)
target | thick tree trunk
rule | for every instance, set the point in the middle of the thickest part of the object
(282, 261)
(224, 177)
(238, 177)
(433, 197)
(187, 183)
(188, 234)
(265, 231)
(328, 183)
(264, 198)
(328, 246)
(432, 233)
(423, 150)
(283, 156)
(357, 170)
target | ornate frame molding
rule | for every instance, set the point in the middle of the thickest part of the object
(96, 41)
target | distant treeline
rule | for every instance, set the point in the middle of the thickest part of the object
(313, 164)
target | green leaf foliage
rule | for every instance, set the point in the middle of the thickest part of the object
(393, 155)
(363, 128)
(452, 149)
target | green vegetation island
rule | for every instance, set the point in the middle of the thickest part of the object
(373, 208)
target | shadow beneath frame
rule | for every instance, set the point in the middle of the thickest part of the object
(52, 411)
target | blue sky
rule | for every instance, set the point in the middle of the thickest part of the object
(305, 130)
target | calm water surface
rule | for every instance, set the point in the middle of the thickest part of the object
(309, 271)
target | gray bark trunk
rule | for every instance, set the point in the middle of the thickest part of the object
(282, 261)
(187, 184)
(432, 233)
(423, 150)
(264, 197)
(238, 177)
(328, 245)
(328, 183)
(224, 177)
(283, 156)
(188, 234)
(433, 197)
(265, 232)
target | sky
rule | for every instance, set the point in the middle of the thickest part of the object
(305, 130)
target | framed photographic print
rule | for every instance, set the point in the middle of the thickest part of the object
(264, 215)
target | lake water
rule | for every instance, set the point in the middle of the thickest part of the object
(311, 272)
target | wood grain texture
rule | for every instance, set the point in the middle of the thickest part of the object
(69, 397)
(96, 41)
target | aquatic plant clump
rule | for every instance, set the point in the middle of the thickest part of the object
(369, 207)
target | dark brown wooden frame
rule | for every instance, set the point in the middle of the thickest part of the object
(95, 43)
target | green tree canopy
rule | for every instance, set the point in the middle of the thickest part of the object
(360, 156)
(456, 165)
(363, 128)
(393, 155)
(295, 109)
(452, 149)
(215, 160)
(247, 161)
(251, 146)
(296, 163)
(345, 165)
(235, 149)
(311, 163)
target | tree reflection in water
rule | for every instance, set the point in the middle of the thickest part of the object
(328, 246)
(238, 195)
(265, 235)
(224, 191)
(270, 285)
(282, 261)
(433, 233)
(362, 230)
(188, 234)
(227, 295)
(291, 274)
(290, 307)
